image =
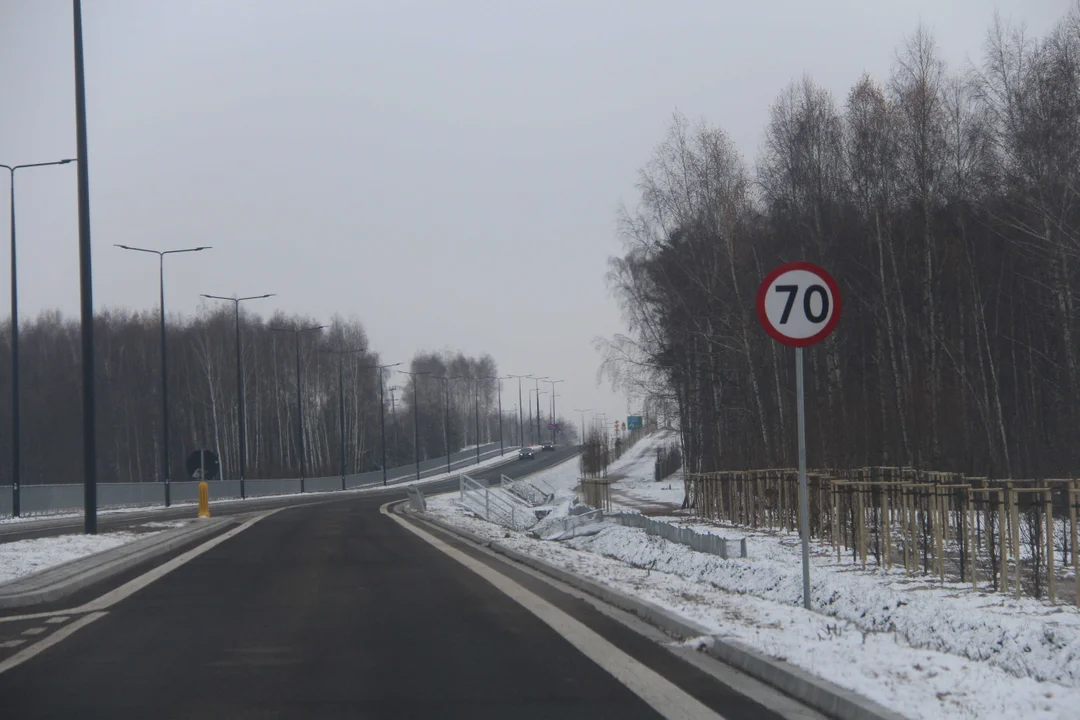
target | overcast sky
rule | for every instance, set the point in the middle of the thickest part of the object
(446, 172)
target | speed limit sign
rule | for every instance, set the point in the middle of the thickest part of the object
(798, 304)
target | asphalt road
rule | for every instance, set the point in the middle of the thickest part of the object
(335, 610)
(51, 527)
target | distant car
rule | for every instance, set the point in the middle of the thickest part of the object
(526, 454)
(548, 446)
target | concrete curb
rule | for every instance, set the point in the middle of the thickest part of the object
(819, 694)
(58, 582)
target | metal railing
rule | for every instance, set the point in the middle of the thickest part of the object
(702, 542)
(495, 505)
(526, 491)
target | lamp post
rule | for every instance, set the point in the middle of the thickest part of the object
(499, 387)
(538, 379)
(241, 430)
(382, 417)
(299, 403)
(446, 409)
(341, 404)
(553, 396)
(16, 468)
(583, 422)
(476, 414)
(416, 417)
(165, 465)
(537, 393)
(521, 412)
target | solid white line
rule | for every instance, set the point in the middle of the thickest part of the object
(662, 695)
(134, 585)
(26, 653)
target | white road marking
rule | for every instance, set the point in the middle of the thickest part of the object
(661, 694)
(11, 643)
(26, 653)
(34, 631)
(57, 620)
(131, 587)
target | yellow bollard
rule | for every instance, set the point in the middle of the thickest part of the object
(204, 500)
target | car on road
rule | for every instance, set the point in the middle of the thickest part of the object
(548, 446)
(526, 454)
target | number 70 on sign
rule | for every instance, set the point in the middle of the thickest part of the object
(799, 305)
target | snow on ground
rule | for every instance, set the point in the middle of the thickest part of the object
(25, 557)
(923, 649)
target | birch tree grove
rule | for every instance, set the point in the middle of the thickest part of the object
(945, 203)
(203, 397)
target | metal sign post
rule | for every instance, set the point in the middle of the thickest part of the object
(798, 304)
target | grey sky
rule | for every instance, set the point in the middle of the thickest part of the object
(447, 172)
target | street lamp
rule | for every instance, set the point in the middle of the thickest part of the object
(416, 417)
(165, 465)
(476, 414)
(553, 396)
(538, 379)
(299, 403)
(341, 404)
(241, 430)
(521, 412)
(583, 422)
(538, 393)
(15, 445)
(382, 419)
(446, 419)
(499, 386)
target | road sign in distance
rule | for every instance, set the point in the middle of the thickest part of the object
(633, 422)
(200, 459)
(798, 304)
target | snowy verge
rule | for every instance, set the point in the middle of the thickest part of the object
(926, 652)
(26, 557)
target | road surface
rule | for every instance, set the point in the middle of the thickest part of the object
(337, 610)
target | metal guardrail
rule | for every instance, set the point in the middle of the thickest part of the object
(51, 499)
(526, 491)
(567, 527)
(702, 542)
(495, 505)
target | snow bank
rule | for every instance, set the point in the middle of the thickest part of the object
(25, 557)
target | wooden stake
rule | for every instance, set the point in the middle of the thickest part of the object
(1074, 497)
(1014, 497)
(1049, 512)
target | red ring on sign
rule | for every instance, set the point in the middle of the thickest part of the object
(763, 292)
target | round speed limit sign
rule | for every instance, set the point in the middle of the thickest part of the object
(798, 304)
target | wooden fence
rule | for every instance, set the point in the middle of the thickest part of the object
(993, 533)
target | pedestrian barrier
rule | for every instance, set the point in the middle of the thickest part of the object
(495, 505)
(526, 491)
(702, 542)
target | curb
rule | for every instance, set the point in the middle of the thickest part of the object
(58, 582)
(814, 692)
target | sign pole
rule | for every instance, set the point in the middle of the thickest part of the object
(804, 495)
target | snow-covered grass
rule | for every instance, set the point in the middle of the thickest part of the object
(925, 650)
(25, 557)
